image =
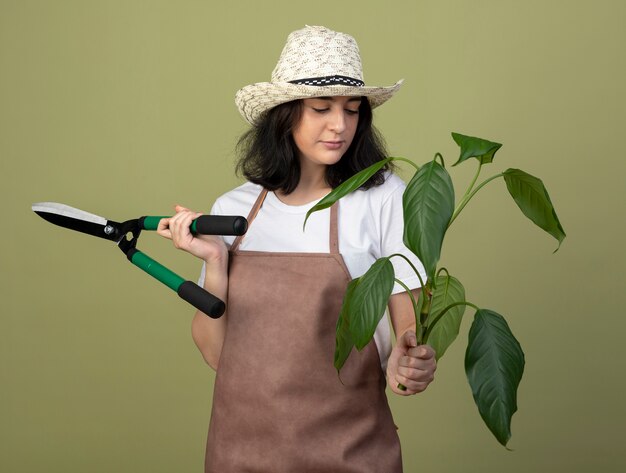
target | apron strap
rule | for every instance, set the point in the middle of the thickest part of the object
(333, 241)
(253, 212)
(334, 229)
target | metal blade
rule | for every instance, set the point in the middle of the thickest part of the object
(76, 219)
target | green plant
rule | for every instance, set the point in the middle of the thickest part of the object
(494, 360)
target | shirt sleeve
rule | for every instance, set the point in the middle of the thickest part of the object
(392, 232)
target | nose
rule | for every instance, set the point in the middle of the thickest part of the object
(337, 120)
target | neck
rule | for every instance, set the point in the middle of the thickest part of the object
(312, 186)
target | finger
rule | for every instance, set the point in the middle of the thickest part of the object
(183, 237)
(163, 228)
(408, 340)
(163, 224)
(180, 229)
(412, 387)
(180, 208)
(424, 352)
(408, 362)
(416, 374)
(181, 221)
(183, 218)
(413, 362)
(165, 233)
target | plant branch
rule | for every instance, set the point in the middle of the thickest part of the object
(464, 202)
(412, 266)
(471, 186)
(410, 293)
(436, 319)
(417, 168)
(419, 331)
(439, 155)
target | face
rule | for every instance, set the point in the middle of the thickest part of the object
(326, 129)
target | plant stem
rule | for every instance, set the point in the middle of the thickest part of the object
(471, 186)
(410, 293)
(417, 168)
(424, 311)
(439, 155)
(419, 326)
(423, 315)
(466, 199)
(468, 190)
(436, 319)
(412, 266)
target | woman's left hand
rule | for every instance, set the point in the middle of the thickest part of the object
(410, 365)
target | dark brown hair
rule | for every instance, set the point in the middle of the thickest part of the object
(268, 154)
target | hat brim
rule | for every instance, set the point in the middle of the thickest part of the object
(255, 99)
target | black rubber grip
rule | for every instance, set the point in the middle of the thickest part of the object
(221, 225)
(201, 299)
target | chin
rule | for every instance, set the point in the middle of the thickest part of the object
(334, 159)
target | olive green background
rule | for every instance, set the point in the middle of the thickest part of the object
(124, 108)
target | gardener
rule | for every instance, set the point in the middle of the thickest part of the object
(278, 404)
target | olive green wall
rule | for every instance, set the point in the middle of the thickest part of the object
(124, 108)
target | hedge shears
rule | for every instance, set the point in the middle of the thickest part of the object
(126, 234)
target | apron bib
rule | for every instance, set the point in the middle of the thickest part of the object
(278, 404)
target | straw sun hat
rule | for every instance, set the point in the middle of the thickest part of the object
(315, 62)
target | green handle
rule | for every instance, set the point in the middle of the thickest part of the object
(156, 270)
(197, 296)
(152, 223)
(204, 224)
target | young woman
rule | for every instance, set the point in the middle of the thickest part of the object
(278, 404)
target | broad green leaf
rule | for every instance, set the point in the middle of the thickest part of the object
(343, 339)
(346, 187)
(447, 291)
(369, 301)
(472, 147)
(532, 198)
(428, 204)
(494, 364)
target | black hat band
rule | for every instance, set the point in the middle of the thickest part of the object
(329, 80)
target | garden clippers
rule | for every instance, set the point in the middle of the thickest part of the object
(126, 234)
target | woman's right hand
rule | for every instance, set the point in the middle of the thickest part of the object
(209, 248)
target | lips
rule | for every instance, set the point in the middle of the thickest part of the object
(333, 144)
